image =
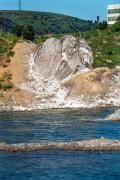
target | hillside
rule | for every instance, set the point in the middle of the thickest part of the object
(44, 22)
(105, 46)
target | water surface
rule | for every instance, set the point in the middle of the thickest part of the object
(58, 125)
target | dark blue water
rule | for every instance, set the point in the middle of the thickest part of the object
(58, 125)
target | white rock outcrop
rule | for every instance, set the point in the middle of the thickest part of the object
(59, 58)
(58, 74)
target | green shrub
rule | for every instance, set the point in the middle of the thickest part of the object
(26, 31)
(101, 25)
(9, 76)
(1, 79)
(6, 85)
(10, 53)
(109, 52)
(1, 95)
(39, 39)
(115, 27)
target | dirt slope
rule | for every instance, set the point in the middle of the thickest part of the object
(17, 68)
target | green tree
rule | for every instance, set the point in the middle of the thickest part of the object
(116, 27)
(28, 32)
(17, 30)
(101, 25)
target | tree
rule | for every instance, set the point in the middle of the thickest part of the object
(116, 27)
(101, 25)
(18, 30)
(26, 31)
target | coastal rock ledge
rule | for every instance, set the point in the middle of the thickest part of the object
(86, 145)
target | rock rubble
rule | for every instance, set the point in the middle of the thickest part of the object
(86, 145)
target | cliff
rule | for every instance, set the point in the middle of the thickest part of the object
(58, 74)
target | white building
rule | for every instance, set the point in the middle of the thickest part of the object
(113, 13)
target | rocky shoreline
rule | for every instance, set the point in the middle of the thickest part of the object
(86, 145)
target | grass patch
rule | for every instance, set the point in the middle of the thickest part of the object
(105, 46)
(5, 81)
(7, 43)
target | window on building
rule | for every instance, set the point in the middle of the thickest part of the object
(113, 11)
(112, 18)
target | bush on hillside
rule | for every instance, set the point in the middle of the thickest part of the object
(101, 25)
(5, 81)
(115, 27)
(26, 31)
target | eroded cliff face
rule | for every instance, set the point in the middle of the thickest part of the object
(59, 58)
(59, 74)
(55, 61)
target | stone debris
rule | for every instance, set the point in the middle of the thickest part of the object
(86, 145)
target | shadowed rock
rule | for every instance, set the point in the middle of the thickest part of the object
(87, 145)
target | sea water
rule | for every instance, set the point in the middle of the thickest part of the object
(59, 125)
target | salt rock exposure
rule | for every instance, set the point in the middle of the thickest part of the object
(58, 74)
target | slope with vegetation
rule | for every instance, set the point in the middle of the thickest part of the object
(43, 22)
(28, 25)
(7, 42)
(106, 48)
(18, 25)
(105, 43)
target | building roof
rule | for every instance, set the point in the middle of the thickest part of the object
(113, 6)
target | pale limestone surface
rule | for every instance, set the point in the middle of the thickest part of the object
(59, 58)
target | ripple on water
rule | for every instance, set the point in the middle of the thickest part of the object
(58, 125)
